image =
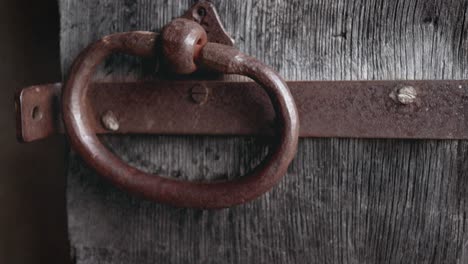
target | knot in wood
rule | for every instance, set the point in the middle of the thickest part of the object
(182, 41)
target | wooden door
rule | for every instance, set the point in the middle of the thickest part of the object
(343, 200)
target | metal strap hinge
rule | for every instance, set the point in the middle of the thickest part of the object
(429, 109)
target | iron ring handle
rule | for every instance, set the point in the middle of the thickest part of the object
(78, 119)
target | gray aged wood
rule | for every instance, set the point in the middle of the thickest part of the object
(343, 200)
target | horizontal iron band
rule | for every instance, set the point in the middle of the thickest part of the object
(429, 109)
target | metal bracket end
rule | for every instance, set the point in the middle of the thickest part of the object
(37, 112)
(204, 13)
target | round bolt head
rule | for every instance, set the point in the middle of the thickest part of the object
(407, 95)
(110, 121)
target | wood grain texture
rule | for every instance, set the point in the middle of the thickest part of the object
(343, 200)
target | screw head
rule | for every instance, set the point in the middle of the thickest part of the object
(110, 121)
(199, 94)
(407, 95)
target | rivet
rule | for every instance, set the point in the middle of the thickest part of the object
(407, 95)
(199, 94)
(110, 121)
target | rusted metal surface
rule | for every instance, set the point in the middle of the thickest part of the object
(417, 109)
(350, 109)
(180, 54)
(80, 123)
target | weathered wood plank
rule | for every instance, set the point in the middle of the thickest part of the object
(343, 200)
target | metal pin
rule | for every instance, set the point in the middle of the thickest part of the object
(110, 121)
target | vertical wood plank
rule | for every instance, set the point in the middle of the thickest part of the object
(343, 200)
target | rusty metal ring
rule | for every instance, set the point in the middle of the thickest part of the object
(78, 123)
